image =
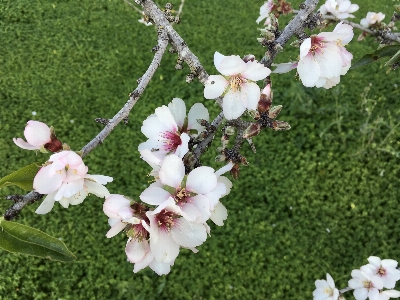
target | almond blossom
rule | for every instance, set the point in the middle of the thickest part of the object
(237, 84)
(386, 269)
(388, 294)
(365, 284)
(38, 137)
(65, 179)
(265, 10)
(372, 18)
(168, 129)
(323, 58)
(341, 9)
(325, 289)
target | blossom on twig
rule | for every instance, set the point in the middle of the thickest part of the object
(325, 289)
(372, 18)
(341, 9)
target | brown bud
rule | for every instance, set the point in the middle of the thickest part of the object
(280, 125)
(253, 130)
(249, 57)
(244, 161)
(54, 145)
(274, 111)
(235, 171)
(264, 103)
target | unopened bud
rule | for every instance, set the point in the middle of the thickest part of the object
(254, 114)
(253, 130)
(244, 161)
(261, 40)
(168, 6)
(189, 77)
(296, 44)
(220, 158)
(230, 130)
(54, 145)
(235, 171)
(280, 125)
(249, 57)
(264, 103)
(278, 48)
(225, 143)
(341, 297)
(274, 111)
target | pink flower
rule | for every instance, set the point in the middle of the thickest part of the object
(365, 284)
(66, 180)
(265, 10)
(372, 18)
(168, 129)
(386, 269)
(237, 85)
(341, 9)
(39, 137)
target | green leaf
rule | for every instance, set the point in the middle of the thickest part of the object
(22, 239)
(22, 177)
(395, 58)
(369, 58)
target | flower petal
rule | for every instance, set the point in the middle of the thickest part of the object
(188, 234)
(46, 205)
(215, 86)
(201, 180)
(219, 214)
(178, 110)
(37, 133)
(251, 92)
(24, 145)
(44, 183)
(255, 71)
(197, 111)
(172, 171)
(309, 71)
(232, 105)
(232, 65)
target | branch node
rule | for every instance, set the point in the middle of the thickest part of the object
(102, 121)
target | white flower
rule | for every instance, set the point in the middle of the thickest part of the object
(168, 129)
(386, 295)
(365, 284)
(325, 289)
(341, 9)
(237, 85)
(386, 269)
(66, 180)
(372, 18)
(265, 10)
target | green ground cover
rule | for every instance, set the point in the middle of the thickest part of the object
(319, 198)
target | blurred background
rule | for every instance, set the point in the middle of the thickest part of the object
(320, 198)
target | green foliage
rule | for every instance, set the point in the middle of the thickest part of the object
(71, 62)
(22, 239)
(392, 51)
(22, 177)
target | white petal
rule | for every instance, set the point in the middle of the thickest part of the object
(178, 110)
(46, 205)
(165, 249)
(203, 205)
(37, 133)
(255, 71)
(330, 63)
(284, 67)
(160, 268)
(309, 71)
(172, 171)
(99, 178)
(305, 48)
(219, 214)
(96, 189)
(188, 234)
(218, 57)
(375, 261)
(136, 251)
(152, 127)
(224, 169)
(232, 105)
(78, 197)
(227, 183)
(154, 195)
(166, 117)
(215, 86)
(147, 260)
(201, 180)
(216, 194)
(197, 111)
(232, 65)
(360, 294)
(183, 148)
(24, 145)
(45, 182)
(115, 229)
(251, 92)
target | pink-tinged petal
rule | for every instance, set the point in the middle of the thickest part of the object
(284, 67)
(78, 197)
(96, 189)
(172, 171)
(255, 71)
(188, 234)
(251, 92)
(201, 180)
(218, 58)
(165, 116)
(183, 148)
(309, 71)
(70, 158)
(136, 251)
(305, 48)
(154, 195)
(165, 249)
(202, 203)
(196, 112)
(149, 258)
(46, 205)
(232, 65)
(44, 183)
(113, 204)
(99, 178)
(169, 205)
(219, 214)
(330, 37)
(68, 189)
(361, 293)
(215, 86)
(232, 105)
(24, 145)
(37, 133)
(72, 175)
(178, 110)
(115, 229)
(160, 268)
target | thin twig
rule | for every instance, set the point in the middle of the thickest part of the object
(131, 4)
(180, 8)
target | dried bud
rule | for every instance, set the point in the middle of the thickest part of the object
(278, 48)
(264, 103)
(244, 161)
(178, 66)
(261, 41)
(220, 158)
(280, 125)
(274, 111)
(230, 130)
(54, 145)
(254, 114)
(249, 57)
(168, 6)
(253, 130)
(362, 36)
(296, 44)
(189, 77)
(235, 171)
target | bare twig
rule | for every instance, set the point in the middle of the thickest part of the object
(134, 7)
(180, 8)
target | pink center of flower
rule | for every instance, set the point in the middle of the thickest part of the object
(368, 285)
(181, 196)
(165, 220)
(236, 82)
(171, 141)
(316, 45)
(382, 271)
(137, 232)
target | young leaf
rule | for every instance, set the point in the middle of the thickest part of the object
(395, 58)
(22, 177)
(22, 239)
(369, 58)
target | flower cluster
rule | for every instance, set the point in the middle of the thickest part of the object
(323, 58)
(237, 84)
(176, 206)
(367, 282)
(64, 176)
(341, 9)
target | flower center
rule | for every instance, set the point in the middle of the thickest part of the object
(368, 285)
(236, 82)
(382, 271)
(316, 45)
(328, 291)
(181, 195)
(137, 232)
(166, 219)
(171, 140)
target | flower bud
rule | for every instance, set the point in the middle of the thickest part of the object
(235, 171)
(264, 103)
(220, 158)
(274, 111)
(54, 145)
(230, 130)
(249, 57)
(280, 125)
(252, 130)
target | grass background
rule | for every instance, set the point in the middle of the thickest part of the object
(319, 198)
